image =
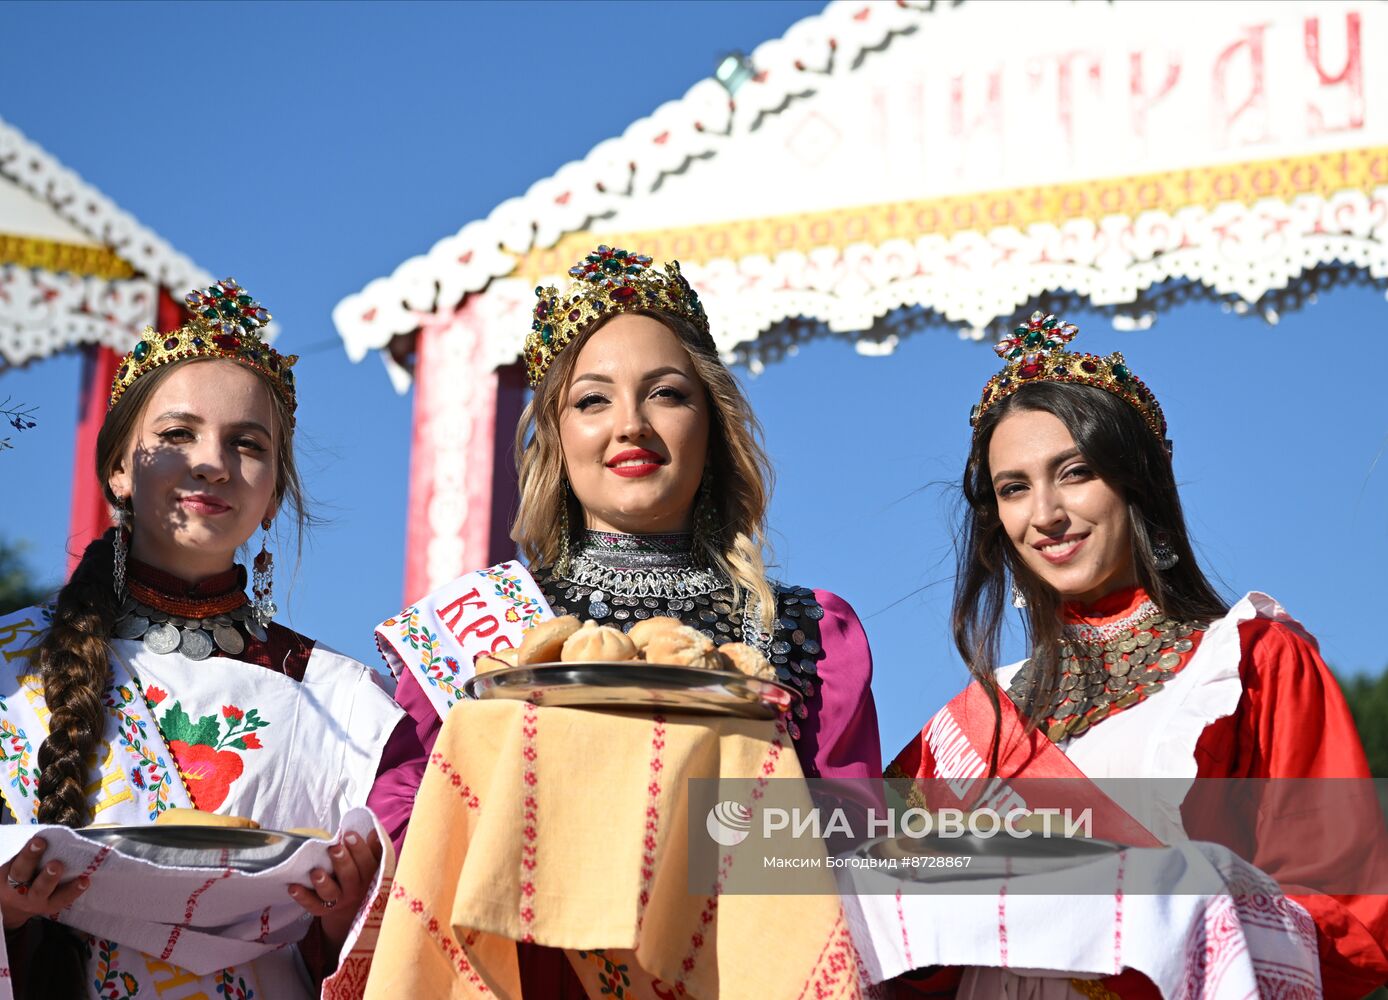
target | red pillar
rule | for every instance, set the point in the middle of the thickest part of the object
(462, 479)
(91, 515)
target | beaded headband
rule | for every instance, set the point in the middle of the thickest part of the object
(1035, 353)
(225, 322)
(606, 282)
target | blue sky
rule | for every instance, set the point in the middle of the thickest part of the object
(307, 148)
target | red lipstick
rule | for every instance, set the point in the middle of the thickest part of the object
(643, 463)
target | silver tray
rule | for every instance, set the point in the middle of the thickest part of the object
(999, 856)
(176, 846)
(633, 684)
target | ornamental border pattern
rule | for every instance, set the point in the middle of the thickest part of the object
(55, 255)
(1283, 179)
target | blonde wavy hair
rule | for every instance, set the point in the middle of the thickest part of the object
(737, 462)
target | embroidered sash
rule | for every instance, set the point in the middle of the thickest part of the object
(950, 760)
(438, 638)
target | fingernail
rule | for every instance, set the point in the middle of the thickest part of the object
(319, 876)
(52, 869)
(352, 838)
(83, 882)
(338, 852)
(36, 846)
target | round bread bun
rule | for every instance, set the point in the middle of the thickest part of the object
(643, 632)
(312, 832)
(175, 816)
(594, 643)
(506, 656)
(545, 642)
(486, 663)
(748, 660)
(684, 647)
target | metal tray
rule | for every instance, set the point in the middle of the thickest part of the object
(999, 856)
(176, 846)
(633, 684)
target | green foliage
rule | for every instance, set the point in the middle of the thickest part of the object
(1368, 703)
(18, 589)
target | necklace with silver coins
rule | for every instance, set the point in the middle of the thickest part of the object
(1106, 669)
(194, 627)
(619, 580)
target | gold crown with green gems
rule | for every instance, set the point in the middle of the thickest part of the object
(606, 282)
(225, 322)
(1036, 353)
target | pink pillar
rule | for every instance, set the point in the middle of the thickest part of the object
(462, 479)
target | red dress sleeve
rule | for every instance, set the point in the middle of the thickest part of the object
(1292, 723)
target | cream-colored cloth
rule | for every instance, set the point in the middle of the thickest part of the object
(569, 829)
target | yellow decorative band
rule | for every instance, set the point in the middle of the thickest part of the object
(1282, 179)
(72, 258)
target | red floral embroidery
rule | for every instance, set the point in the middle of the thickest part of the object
(206, 750)
(155, 695)
(207, 772)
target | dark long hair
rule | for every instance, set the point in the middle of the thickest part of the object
(1124, 453)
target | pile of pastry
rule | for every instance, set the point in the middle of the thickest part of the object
(660, 640)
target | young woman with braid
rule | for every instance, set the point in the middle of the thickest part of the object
(154, 681)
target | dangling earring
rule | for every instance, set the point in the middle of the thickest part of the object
(1019, 599)
(705, 522)
(563, 564)
(120, 546)
(1163, 555)
(263, 579)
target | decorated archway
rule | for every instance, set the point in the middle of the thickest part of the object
(78, 273)
(962, 159)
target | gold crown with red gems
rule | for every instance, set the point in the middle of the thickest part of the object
(606, 282)
(1036, 353)
(224, 322)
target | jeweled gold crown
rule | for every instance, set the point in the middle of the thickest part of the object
(225, 322)
(606, 282)
(1036, 353)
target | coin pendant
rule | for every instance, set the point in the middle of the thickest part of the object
(161, 638)
(1057, 732)
(228, 639)
(1128, 645)
(1169, 661)
(256, 630)
(1111, 656)
(1065, 711)
(1129, 699)
(1121, 668)
(1143, 638)
(131, 627)
(1184, 646)
(196, 644)
(1154, 687)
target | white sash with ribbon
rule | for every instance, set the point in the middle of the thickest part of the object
(437, 638)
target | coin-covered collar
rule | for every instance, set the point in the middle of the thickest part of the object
(168, 614)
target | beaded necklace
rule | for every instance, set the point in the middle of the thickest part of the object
(1107, 669)
(630, 578)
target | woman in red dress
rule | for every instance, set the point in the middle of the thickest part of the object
(1136, 668)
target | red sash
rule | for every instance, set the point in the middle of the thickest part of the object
(950, 758)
